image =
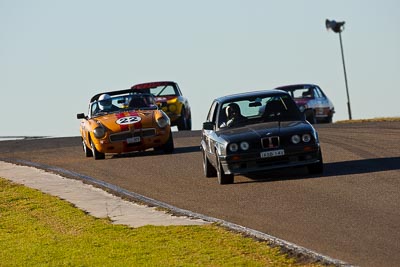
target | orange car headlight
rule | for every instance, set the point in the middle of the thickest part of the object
(99, 132)
(163, 121)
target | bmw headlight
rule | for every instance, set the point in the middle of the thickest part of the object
(99, 132)
(233, 147)
(163, 121)
(295, 139)
(306, 138)
(244, 145)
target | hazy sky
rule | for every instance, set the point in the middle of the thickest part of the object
(54, 55)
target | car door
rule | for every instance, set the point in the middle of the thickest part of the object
(208, 136)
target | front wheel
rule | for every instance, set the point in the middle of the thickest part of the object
(88, 152)
(316, 168)
(185, 121)
(310, 116)
(169, 147)
(223, 178)
(329, 119)
(97, 154)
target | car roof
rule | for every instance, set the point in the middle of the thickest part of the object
(152, 85)
(269, 92)
(296, 86)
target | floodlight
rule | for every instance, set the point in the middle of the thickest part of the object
(334, 25)
(338, 27)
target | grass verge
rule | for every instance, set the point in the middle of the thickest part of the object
(39, 229)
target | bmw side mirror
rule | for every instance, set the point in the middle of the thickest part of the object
(208, 125)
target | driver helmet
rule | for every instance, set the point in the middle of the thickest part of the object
(105, 102)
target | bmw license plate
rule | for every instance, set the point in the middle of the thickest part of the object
(135, 139)
(272, 153)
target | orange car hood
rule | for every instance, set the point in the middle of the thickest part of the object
(124, 121)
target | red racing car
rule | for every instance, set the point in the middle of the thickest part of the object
(169, 97)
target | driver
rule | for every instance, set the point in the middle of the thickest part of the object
(105, 103)
(233, 115)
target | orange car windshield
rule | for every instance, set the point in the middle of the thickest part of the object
(123, 103)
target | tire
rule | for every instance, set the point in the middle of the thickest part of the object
(183, 123)
(88, 152)
(209, 170)
(96, 154)
(329, 119)
(310, 116)
(223, 178)
(169, 147)
(189, 123)
(316, 168)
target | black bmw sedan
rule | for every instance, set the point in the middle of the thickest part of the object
(257, 131)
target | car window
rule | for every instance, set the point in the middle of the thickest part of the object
(318, 92)
(315, 93)
(303, 93)
(258, 109)
(211, 113)
(164, 90)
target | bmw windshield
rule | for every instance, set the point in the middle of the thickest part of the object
(256, 109)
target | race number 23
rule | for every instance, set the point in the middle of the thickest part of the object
(128, 120)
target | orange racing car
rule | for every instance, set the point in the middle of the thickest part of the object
(124, 121)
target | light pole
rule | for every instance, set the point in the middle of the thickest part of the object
(338, 27)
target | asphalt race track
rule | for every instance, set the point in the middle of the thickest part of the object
(351, 213)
